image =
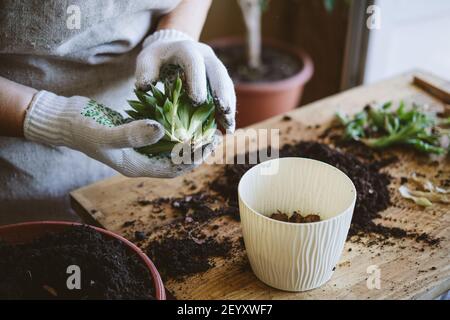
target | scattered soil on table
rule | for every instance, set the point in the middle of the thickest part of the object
(295, 217)
(183, 247)
(371, 185)
(186, 254)
(276, 64)
(37, 270)
(198, 207)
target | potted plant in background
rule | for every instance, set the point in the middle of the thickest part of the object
(269, 75)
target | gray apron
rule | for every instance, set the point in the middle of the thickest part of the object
(69, 47)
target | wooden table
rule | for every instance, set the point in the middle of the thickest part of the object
(408, 269)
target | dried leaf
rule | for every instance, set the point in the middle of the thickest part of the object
(421, 201)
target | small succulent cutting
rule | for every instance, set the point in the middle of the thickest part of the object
(381, 127)
(183, 122)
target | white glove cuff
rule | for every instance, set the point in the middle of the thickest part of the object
(166, 34)
(49, 116)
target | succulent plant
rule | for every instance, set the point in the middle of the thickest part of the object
(183, 122)
(380, 127)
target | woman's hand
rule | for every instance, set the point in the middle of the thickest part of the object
(101, 133)
(169, 46)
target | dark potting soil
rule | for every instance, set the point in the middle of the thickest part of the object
(371, 185)
(38, 270)
(184, 248)
(198, 207)
(185, 254)
(280, 216)
(295, 217)
(276, 64)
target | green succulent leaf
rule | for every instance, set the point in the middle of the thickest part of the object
(134, 114)
(168, 111)
(425, 147)
(157, 94)
(183, 122)
(141, 109)
(145, 98)
(200, 115)
(184, 115)
(159, 116)
(177, 90)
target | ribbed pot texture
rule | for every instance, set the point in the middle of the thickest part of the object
(288, 256)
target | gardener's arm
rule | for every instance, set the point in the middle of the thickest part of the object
(84, 125)
(189, 17)
(14, 100)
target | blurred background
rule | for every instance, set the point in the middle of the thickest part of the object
(350, 42)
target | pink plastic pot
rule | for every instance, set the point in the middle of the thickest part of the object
(263, 100)
(25, 232)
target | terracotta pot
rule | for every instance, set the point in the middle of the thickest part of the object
(26, 232)
(262, 100)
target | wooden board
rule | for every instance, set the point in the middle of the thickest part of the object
(408, 269)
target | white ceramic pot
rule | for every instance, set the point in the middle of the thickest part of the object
(288, 256)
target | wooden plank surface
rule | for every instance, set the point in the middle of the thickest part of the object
(408, 269)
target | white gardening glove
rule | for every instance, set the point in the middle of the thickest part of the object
(101, 133)
(199, 64)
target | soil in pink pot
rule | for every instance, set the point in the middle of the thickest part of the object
(38, 269)
(276, 64)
